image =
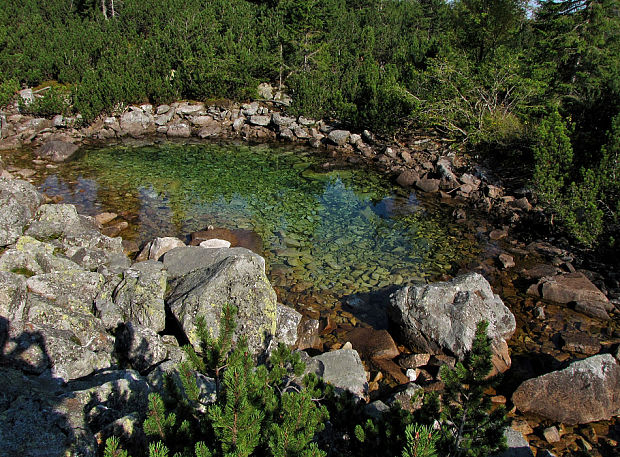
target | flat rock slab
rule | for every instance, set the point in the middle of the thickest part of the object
(373, 343)
(343, 369)
(182, 260)
(585, 391)
(57, 151)
(570, 287)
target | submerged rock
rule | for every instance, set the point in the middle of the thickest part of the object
(444, 316)
(57, 151)
(585, 391)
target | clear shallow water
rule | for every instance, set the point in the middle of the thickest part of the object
(338, 230)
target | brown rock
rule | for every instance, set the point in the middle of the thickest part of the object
(392, 369)
(407, 178)
(506, 260)
(571, 287)
(329, 325)
(580, 342)
(540, 270)
(521, 203)
(428, 185)
(414, 360)
(371, 343)
(592, 309)
(308, 338)
(498, 234)
(522, 426)
(551, 434)
(586, 391)
(104, 218)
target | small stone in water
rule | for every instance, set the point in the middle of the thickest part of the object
(215, 243)
(551, 434)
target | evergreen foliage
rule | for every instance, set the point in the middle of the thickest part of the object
(482, 71)
(421, 441)
(469, 424)
(259, 410)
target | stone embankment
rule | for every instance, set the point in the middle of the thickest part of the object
(426, 163)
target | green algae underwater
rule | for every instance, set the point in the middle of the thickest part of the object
(325, 224)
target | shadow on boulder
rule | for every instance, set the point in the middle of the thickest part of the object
(33, 410)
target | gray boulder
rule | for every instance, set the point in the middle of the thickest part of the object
(183, 260)
(585, 391)
(261, 120)
(13, 293)
(137, 123)
(287, 322)
(343, 369)
(32, 256)
(179, 130)
(139, 297)
(143, 348)
(239, 279)
(59, 330)
(77, 236)
(18, 202)
(57, 151)
(444, 316)
(339, 137)
(35, 421)
(516, 443)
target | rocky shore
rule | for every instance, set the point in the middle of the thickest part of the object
(85, 334)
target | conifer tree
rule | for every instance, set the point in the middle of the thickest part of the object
(469, 425)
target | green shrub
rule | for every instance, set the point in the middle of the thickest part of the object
(259, 410)
(55, 100)
(470, 426)
(8, 90)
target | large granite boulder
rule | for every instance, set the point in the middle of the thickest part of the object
(443, 317)
(587, 390)
(58, 329)
(18, 202)
(57, 151)
(137, 123)
(139, 297)
(226, 276)
(35, 422)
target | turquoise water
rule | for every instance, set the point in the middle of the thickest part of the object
(335, 228)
